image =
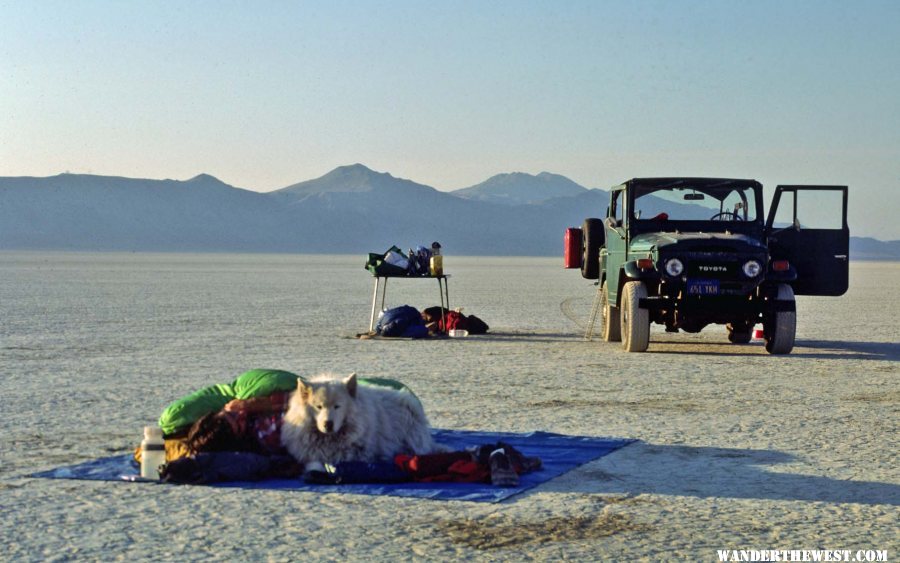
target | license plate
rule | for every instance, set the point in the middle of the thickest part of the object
(703, 287)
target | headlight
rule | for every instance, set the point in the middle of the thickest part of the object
(674, 267)
(752, 268)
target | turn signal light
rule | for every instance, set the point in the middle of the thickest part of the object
(780, 266)
(645, 263)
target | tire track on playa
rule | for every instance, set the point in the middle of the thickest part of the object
(567, 307)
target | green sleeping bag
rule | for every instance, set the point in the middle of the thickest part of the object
(254, 383)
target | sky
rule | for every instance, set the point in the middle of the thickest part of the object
(266, 94)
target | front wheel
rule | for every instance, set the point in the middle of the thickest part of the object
(611, 330)
(635, 322)
(781, 327)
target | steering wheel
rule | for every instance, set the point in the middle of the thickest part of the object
(726, 216)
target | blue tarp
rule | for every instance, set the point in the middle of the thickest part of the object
(559, 454)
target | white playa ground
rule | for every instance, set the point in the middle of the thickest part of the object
(738, 449)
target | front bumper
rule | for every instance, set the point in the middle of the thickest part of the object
(725, 306)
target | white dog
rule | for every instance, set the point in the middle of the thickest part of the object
(331, 420)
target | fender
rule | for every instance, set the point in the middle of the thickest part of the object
(782, 277)
(633, 273)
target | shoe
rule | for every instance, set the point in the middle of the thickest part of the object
(316, 473)
(482, 454)
(519, 461)
(502, 473)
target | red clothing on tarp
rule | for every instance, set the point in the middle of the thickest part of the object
(429, 465)
(454, 467)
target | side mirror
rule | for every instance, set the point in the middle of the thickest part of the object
(796, 224)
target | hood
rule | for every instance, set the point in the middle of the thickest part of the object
(709, 242)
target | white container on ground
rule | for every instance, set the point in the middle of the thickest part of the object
(153, 452)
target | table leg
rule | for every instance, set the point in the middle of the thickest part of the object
(445, 299)
(374, 301)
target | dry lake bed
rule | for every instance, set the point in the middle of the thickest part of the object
(737, 449)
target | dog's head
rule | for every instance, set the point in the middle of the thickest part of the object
(328, 402)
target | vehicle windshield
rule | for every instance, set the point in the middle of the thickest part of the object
(685, 202)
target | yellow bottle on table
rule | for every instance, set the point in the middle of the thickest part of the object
(436, 266)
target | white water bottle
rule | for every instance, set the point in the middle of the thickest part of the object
(153, 452)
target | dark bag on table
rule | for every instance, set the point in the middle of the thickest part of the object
(380, 265)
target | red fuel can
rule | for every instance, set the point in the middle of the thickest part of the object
(573, 252)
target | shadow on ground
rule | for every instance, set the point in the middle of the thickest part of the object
(705, 472)
(820, 349)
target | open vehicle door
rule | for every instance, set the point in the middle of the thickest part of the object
(807, 225)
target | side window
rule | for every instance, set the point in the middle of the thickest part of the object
(813, 209)
(619, 206)
(820, 209)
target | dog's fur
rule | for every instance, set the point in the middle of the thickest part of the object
(331, 420)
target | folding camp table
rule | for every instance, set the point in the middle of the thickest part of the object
(442, 290)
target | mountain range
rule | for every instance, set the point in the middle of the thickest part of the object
(351, 209)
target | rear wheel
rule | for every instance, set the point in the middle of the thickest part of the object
(635, 322)
(592, 239)
(611, 328)
(781, 327)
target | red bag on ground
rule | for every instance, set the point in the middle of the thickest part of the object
(452, 321)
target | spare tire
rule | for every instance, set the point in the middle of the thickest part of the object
(592, 240)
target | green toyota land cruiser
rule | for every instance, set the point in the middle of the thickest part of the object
(690, 252)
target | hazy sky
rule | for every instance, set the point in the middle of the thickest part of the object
(266, 94)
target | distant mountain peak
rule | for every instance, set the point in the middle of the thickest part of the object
(351, 178)
(521, 188)
(204, 178)
(357, 170)
(550, 175)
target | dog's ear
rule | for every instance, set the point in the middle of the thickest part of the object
(350, 382)
(303, 389)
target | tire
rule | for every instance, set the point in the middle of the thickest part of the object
(635, 322)
(739, 333)
(611, 329)
(592, 239)
(782, 326)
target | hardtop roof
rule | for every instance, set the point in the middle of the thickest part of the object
(696, 181)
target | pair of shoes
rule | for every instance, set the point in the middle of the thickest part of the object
(502, 473)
